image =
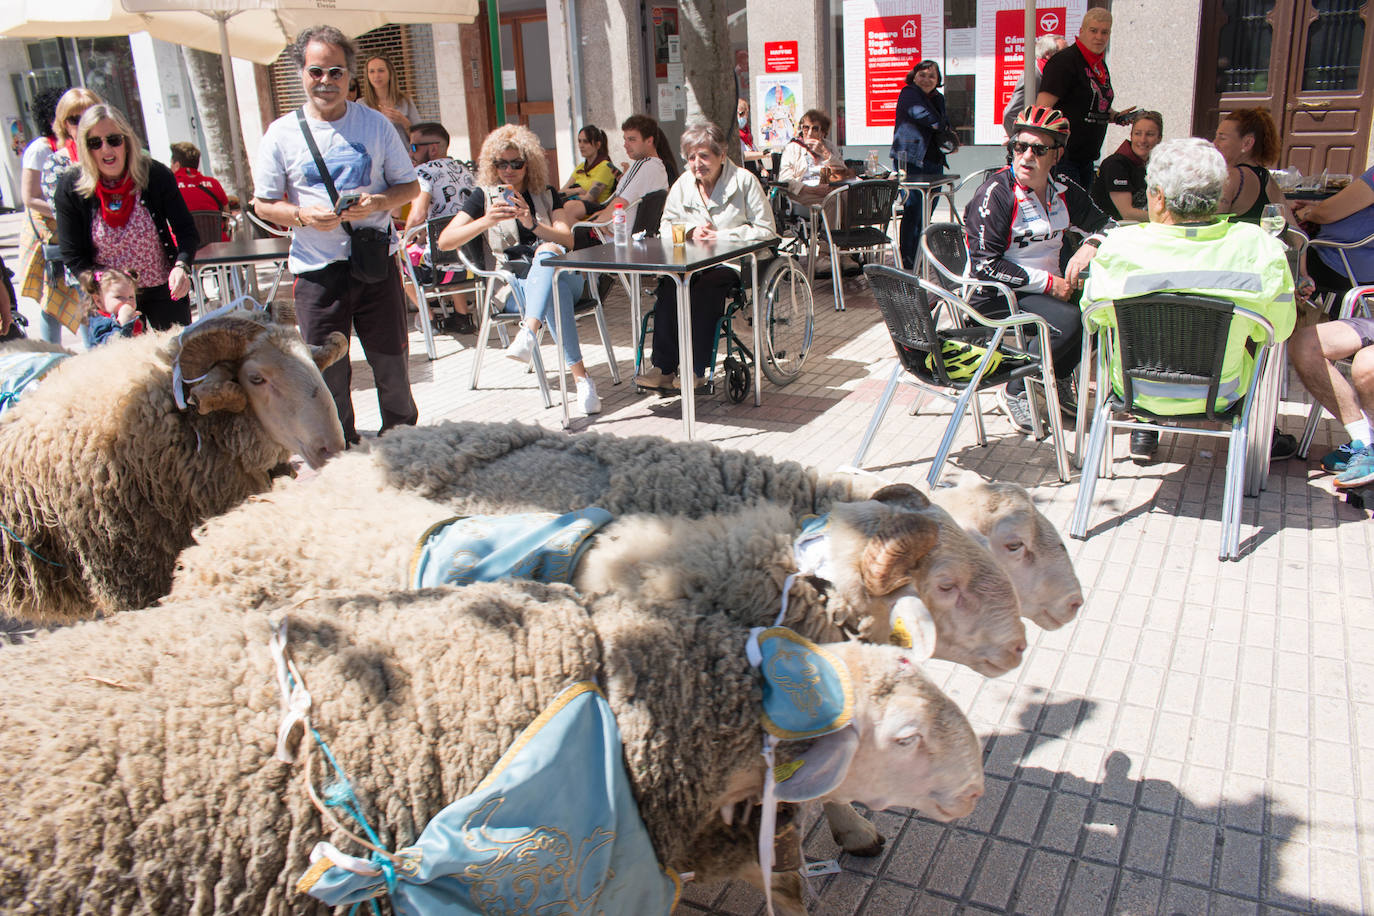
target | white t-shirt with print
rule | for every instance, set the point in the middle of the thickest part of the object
(447, 182)
(362, 151)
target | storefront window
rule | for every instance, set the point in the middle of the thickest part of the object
(108, 66)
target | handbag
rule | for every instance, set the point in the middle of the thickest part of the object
(947, 140)
(54, 269)
(370, 248)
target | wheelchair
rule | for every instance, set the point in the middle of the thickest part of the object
(787, 312)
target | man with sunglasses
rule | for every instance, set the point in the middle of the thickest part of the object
(1017, 225)
(444, 184)
(362, 153)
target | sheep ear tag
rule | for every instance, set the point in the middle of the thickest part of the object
(806, 691)
(912, 626)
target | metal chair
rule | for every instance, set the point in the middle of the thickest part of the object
(1359, 299)
(1341, 248)
(866, 211)
(436, 289)
(210, 225)
(905, 303)
(1176, 340)
(645, 215)
(974, 181)
(262, 228)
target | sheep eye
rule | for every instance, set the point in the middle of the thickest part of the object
(1015, 546)
(256, 379)
(947, 587)
(908, 736)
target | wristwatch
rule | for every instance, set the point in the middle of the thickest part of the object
(299, 222)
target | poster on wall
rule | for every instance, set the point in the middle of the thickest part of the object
(777, 107)
(1001, 61)
(666, 41)
(883, 40)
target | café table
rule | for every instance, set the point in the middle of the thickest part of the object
(932, 188)
(660, 257)
(223, 259)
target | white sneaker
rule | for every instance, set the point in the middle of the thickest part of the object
(522, 346)
(586, 396)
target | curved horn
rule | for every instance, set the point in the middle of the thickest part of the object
(334, 348)
(219, 390)
(216, 340)
(901, 494)
(894, 550)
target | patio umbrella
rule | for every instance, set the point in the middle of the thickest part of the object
(255, 30)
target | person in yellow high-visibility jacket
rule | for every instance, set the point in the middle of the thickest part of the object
(1186, 247)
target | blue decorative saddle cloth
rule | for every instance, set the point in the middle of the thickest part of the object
(20, 370)
(483, 548)
(552, 830)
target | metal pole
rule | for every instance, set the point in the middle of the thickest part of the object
(575, 69)
(232, 100)
(1029, 74)
(76, 57)
(498, 85)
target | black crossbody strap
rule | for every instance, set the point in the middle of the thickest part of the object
(319, 164)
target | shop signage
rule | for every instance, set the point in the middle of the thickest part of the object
(883, 40)
(780, 57)
(1001, 55)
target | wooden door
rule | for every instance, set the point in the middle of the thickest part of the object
(528, 79)
(1309, 62)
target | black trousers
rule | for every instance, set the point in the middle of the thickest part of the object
(328, 300)
(1066, 330)
(160, 310)
(707, 291)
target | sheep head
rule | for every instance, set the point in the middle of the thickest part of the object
(239, 363)
(897, 542)
(1023, 542)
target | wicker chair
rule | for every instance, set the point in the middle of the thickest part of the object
(905, 303)
(1174, 339)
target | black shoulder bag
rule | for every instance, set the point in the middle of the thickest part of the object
(371, 248)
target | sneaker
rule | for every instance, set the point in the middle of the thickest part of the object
(522, 347)
(1282, 446)
(1068, 396)
(586, 396)
(1016, 409)
(1144, 444)
(461, 323)
(1339, 460)
(1359, 470)
(655, 379)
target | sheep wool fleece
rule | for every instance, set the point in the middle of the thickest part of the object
(167, 717)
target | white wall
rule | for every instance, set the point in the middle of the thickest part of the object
(13, 59)
(169, 109)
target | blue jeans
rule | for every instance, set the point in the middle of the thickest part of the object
(49, 328)
(537, 290)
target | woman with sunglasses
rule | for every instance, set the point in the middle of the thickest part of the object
(921, 137)
(520, 218)
(61, 302)
(122, 209)
(593, 181)
(382, 92)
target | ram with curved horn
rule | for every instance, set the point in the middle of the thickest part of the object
(122, 451)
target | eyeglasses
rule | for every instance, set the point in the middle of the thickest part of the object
(809, 129)
(319, 73)
(1041, 150)
(114, 141)
(512, 164)
(415, 147)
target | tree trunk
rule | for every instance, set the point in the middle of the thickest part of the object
(709, 66)
(207, 85)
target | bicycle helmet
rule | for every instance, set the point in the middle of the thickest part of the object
(961, 359)
(1049, 121)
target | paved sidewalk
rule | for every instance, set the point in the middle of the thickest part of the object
(1199, 740)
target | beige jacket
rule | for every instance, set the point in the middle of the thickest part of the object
(738, 208)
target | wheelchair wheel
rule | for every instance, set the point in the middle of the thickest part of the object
(788, 321)
(737, 379)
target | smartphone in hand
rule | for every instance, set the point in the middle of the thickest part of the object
(346, 200)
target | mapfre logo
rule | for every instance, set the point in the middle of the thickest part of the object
(1049, 24)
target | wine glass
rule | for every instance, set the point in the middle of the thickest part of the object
(1271, 219)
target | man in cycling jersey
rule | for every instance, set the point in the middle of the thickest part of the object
(1017, 225)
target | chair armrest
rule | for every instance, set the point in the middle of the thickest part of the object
(1352, 300)
(494, 274)
(1319, 242)
(411, 234)
(1016, 319)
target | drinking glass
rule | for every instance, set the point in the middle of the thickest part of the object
(679, 233)
(1271, 219)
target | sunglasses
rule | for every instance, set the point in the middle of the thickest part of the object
(508, 163)
(114, 141)
(415, 147)
(1041, 150)
(319, 73)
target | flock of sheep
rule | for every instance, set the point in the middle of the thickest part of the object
(158, 789)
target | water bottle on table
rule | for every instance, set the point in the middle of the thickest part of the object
(620, 227)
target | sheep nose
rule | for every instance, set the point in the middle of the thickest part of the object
(1019, 648)
(1075, 603)
(972, 794)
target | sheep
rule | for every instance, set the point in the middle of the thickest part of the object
(106, 476)
(346, 528)
(484, 468)
(137, 751)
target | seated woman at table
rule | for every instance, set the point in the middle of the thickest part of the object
(594, 178)
(1347, 216)
(917, 146)
(808, 157)
(517, 212)
(1249, 141)
(719, 202)
(1119, 189)
(122, 209)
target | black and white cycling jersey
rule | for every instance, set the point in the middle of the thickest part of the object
(1016, 240)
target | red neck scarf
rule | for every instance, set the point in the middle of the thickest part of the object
(1096, 66)
(116, 203)
(1125, 150)
(52, 144)
(71, 151)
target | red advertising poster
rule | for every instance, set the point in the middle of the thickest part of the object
(892, 46)
(664, 20)
(1011, 39)
(780, 57)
